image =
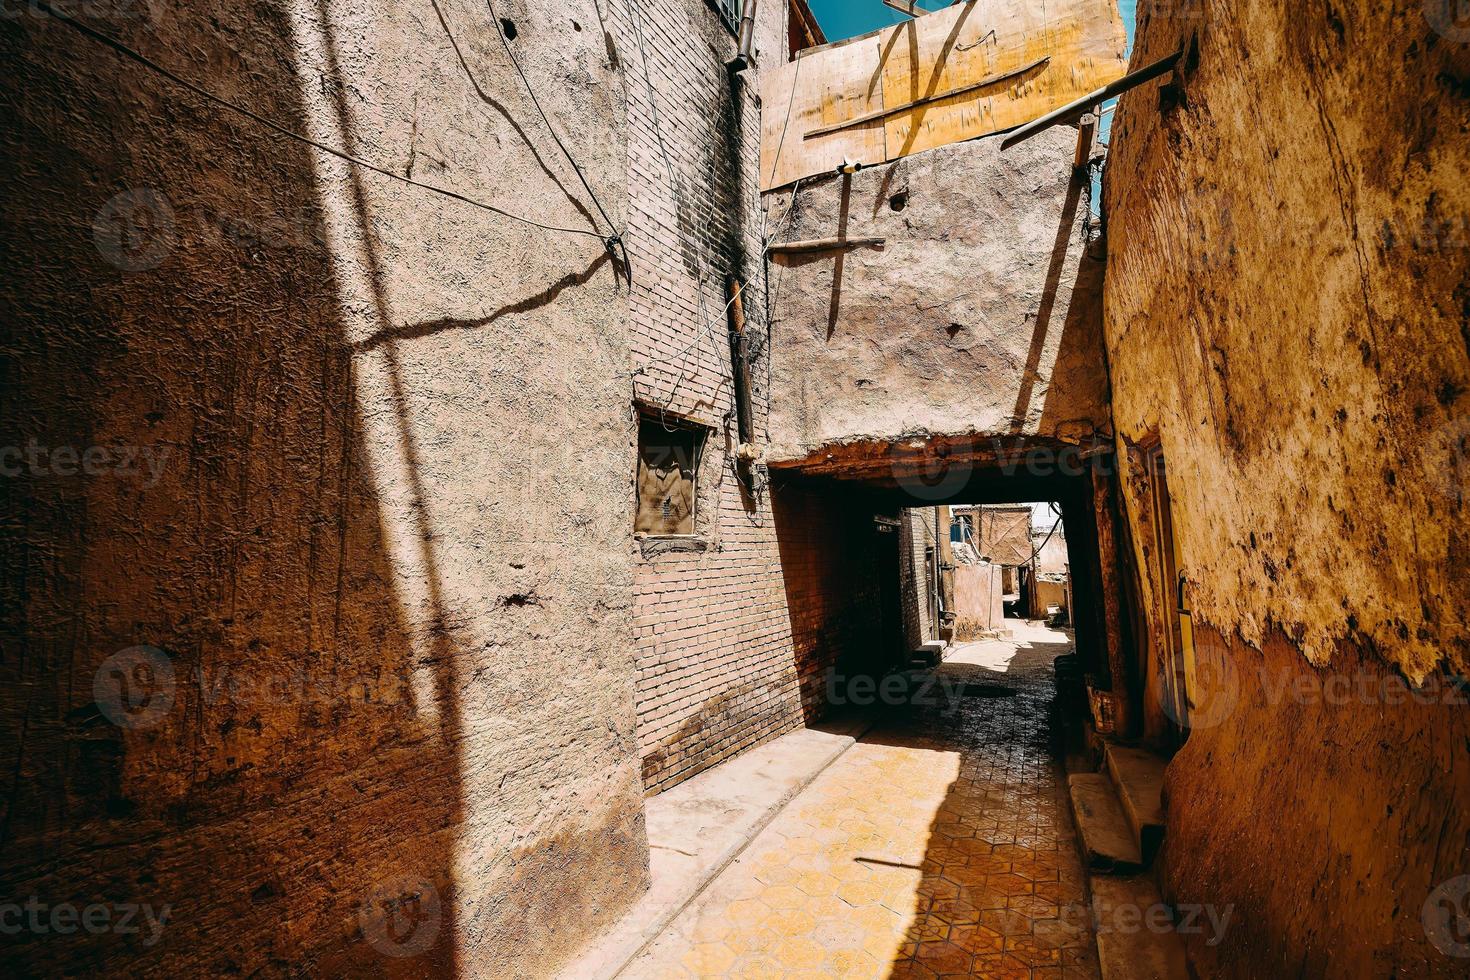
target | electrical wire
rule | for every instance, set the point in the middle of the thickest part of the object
(1044, 541)
(617, 236)
(145, 61)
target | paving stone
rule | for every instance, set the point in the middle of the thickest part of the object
(940, 845)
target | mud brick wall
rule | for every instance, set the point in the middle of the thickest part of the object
(982, 313)
(1286, 304)
(378, 417)
(716, 672)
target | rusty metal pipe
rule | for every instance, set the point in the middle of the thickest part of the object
(745, 55)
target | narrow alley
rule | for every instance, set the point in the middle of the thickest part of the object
(939, 844)
(624, 489)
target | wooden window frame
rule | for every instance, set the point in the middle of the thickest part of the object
(699, 438)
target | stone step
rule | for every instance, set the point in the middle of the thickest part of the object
(1103, 832)
(1138, 776)
(1136, 940)
(930, 653)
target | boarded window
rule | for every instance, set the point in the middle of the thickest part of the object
(668, 462)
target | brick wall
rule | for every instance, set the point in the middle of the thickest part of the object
(832, 554)
(716, 672)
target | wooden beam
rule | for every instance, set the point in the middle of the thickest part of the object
(824, 245)
(1085, 133)
(1079, 107)
(910, 7)
(905, 107)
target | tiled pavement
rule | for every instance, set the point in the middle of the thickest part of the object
(939, 845)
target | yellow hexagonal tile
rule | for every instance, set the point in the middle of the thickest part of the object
(762, 967)
(708, 959)
(790, 922)
(799, 953)
(745, 912)
(854, 963)
(780, 897)
(817, 884)
(860, 893)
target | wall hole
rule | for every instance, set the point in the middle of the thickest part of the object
(899, 201)
(509, 27)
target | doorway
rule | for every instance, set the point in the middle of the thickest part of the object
(1177, 661)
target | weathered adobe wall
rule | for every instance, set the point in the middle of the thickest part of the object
(981, 315)
(717, 669)
(387, 551)
(1286, 305)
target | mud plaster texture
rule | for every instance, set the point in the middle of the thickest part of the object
(982, 313)
(1305, 287)
(1324, 807)
(388, 556)
(1286, 308)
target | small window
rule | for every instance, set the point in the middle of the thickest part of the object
(668, 465)
(730, 10)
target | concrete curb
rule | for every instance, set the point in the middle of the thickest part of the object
(656, 929)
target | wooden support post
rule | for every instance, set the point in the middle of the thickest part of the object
(1086, 131)
(824, 245)
(942, 521)
(740, 361)
(1073, 110)
(1104, 509)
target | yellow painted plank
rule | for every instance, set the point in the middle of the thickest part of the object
(819, 89)
(963, 44)
(954, 50)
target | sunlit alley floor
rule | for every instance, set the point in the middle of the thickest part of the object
(938, 845)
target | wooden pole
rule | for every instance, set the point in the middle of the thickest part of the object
(824, 245)
(740, 361)
(1074, 109)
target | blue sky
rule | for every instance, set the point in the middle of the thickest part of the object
(848, 18)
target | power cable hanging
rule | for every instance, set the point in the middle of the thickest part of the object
(616, 235)
(154, 66)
